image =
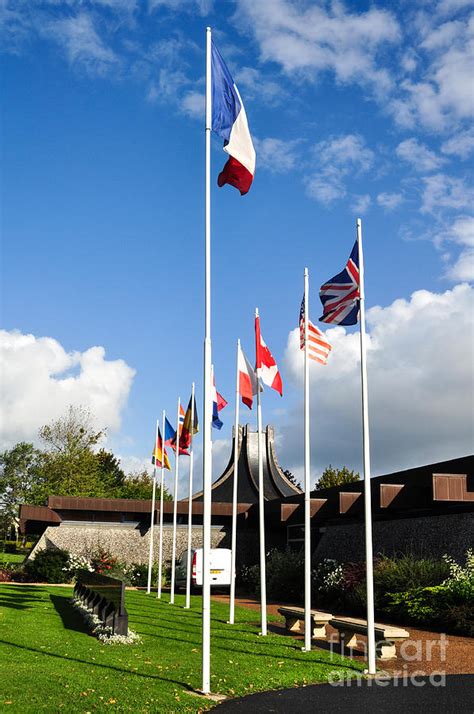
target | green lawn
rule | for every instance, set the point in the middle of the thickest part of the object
(12, 558)
(48, 662)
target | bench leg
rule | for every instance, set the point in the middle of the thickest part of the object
(385, 649)
(350, 639)
(318, 630)
(293, 624)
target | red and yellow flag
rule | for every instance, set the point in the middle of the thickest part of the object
(159, 454)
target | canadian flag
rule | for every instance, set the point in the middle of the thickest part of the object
(248, 383)
(266, 366)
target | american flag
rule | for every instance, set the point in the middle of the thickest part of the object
(318, 347)
(341, 295)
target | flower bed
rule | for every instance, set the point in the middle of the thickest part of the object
(407, 589)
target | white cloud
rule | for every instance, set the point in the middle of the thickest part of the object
(361, 204)
(441, 95)
(256, 85)
(203, 7)
(193, 104)
(443, 36)
(40, 380)
(389, 201)
(347, 152)
(338, 157)
(460, 232)
(418, 155)
(442, 191)
(446, 7)
(325, 188)
(461, 144)
(325, 37)
(82, 43)
(421, 382)
(276, 155)
(463, 268)
(133, 464)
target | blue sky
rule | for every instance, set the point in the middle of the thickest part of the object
(356, 109)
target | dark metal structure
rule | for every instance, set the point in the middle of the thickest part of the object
(275, 483)
(106, 598)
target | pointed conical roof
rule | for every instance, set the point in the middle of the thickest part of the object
(276, 484)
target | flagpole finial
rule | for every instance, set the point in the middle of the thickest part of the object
(256, 312)
(306, 272)
(208, 29)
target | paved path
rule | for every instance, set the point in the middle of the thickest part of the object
(456, 696)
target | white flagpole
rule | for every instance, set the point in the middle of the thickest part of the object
(261, 515)
(234, 494)
(366, 457)
(175, 507)
(160, 551)
(190, 505)
(307, 478)
(152, 517)
(207, 438)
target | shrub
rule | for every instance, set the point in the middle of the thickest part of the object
(398, 574)
(449, 605)
(285, 574)
(6, 575)
(326, 578)
(139, 575)
(49, 566)
(103, 561)
(249, 577)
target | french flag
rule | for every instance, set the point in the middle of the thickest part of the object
(229, 121)
(218, 403)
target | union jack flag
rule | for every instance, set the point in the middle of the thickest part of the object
(341, 295)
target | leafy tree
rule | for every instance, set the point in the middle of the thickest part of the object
(292, 478)
(70, 466)
(112, 476)
(21, 481)
(336, 477)
(139, 484)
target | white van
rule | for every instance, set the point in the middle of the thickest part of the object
(219, 570)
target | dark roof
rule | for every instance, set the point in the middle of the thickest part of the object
(276, 484)
(441, 487)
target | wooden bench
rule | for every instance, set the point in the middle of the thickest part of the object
(385, 635)
(294, 619)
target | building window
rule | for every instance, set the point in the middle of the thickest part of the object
(295, 536)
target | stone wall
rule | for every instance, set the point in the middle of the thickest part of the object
(424, 536)
(127, 543)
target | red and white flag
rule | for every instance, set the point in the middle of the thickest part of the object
(318, 346)
(248, 383)
(266, 367)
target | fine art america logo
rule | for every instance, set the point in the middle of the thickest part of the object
(411, 651)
